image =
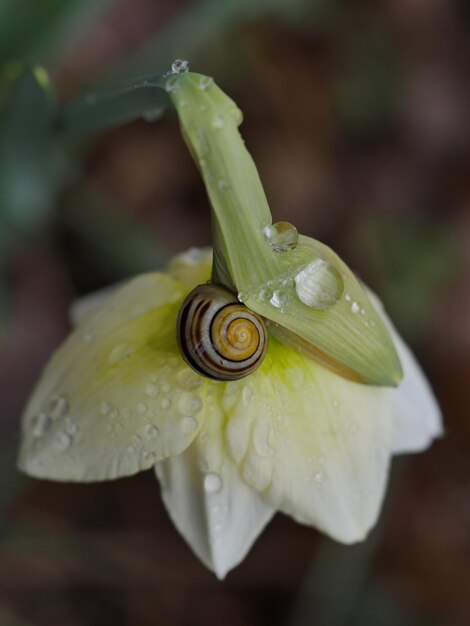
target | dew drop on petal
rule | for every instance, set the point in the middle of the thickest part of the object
(58, 407)
(355, 308)
(188, 379)
(62, 441)
(189, 404)
(265, 294)
(151, 390)
(279, 299)
(179, 65)
(189, 424)
(40, 424)
(261, 438)
(106, 408)
(165, 403)
(319, 285)
(212, 483)
(281, 236)
(151, 431)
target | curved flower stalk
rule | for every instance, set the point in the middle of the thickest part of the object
(310, 432)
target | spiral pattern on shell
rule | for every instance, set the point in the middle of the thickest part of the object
(218, 336)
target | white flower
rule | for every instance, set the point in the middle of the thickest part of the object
(293, 436)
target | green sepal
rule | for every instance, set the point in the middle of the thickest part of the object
(348, 335)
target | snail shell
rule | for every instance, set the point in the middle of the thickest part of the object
(219, 337)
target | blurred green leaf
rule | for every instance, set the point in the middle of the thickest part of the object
(143, 97)
(415, 262)
(30, 170)
(111, 236)
(28, 27)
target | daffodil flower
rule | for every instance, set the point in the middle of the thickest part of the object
(309, 430)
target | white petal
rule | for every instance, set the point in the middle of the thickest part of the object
(80, 308)
(116, 397)
(317, 446)
(417, 417)
(216, 512)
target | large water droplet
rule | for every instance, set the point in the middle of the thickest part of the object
(319, 285)
(179, 65)
(281, 236)
(212, 483)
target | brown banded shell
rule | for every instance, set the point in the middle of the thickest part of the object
(218, 336)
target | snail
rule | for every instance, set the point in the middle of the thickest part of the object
(218, 336)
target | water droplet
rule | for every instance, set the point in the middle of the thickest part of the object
(265, 294)
(152, 431)
(247, 393)
(106, 408)
(58, 407)
(243, 296)
(347, 297)
(88, 336)
(261, 437)
(173, 83)
(218, 122)
(40, 424)
(62, 441)
(165, 403)
(355, 308)
(120, 353)
(232, 387)
(189, 424)
(151, 390)
(188, 379)
(236, 114)
(212, 483)
(223, 184)
(205, 82)
(189, 403)
(141, 408)
(319, 285)
(126, 413)
(280, 299)
(166, 387)
(319, 477)
(179, 65)
(152, 115)
(71, 427)
(281, 236)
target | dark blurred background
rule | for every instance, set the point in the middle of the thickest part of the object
(357, 115)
